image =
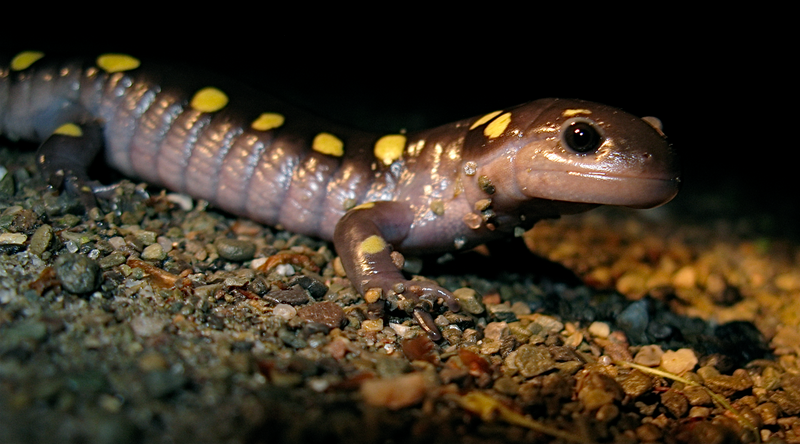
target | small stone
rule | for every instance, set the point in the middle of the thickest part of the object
(649, 356)
(648, 433)
(768, 412)
(41, 239)
(112, 260)
(533, 360)
(373, 295)
(78, 274)
(470, 300)
(728, 385)
(12, 238)
(686, 277)
(675, 402)
(699, 412)
(284, 311)
(326, 313)
(679, 361)
(372, 325)
(154, 252)
(636, 384)
(313, 284)
(703, 432)
(548, 323)
(597, 389)
(633, 321)
(234, 249)
(506, 386)
(697, 396)
(145, 237)
(294, 295)
(394, 393)
(607, 413)
(147, 326)
(494, 330)
(599, 329)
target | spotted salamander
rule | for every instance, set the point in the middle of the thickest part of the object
(436, 190)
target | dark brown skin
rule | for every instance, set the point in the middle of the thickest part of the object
(447, 188)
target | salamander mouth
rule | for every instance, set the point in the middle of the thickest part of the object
(604, 189)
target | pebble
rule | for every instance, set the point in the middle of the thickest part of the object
(633, 321)
(469, 300)
(326, 313)
(372, 325)
(696, 396)
(636, 384)
(234, 249)
(686, 277)
(699, 412)
(41, 239)
(648, 433)
(649, 356)
(676, 403)
(294, 295)
(494, 330)
(727, 385)
(22, 332)
(13, 238)
(599, 329)
(532, 360)
(154, 252)
(679, 361)
(147, 326)
(78, 274)
(597, 389)
(284, 311)
(548, 323)
(394, 393)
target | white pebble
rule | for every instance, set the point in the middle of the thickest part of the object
(181, 200)
(285, 270)
(13, 238)
(71, 246)
(600, 329)
(258, 262)
(679, 361)
(284, 311)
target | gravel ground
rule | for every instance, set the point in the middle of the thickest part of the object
(159, 320)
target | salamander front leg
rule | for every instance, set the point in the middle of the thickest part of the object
(364, 239)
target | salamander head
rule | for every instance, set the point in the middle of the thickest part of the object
(583, 152)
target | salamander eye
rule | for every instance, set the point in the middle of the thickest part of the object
(582, 137)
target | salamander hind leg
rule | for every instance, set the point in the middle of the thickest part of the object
(64, 159)
(364, 238)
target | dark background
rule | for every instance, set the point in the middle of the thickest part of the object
(720, 87)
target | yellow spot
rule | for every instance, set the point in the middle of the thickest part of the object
(69, 129)
(329, 144)
(497, 126)
(365, 206)
(25, 59)
(117, 62)
(209, 100)
(390, 148)
(373, 244)
(267, 121)
(485, 119)
(575, 112)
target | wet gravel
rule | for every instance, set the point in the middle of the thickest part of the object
(156, 319)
